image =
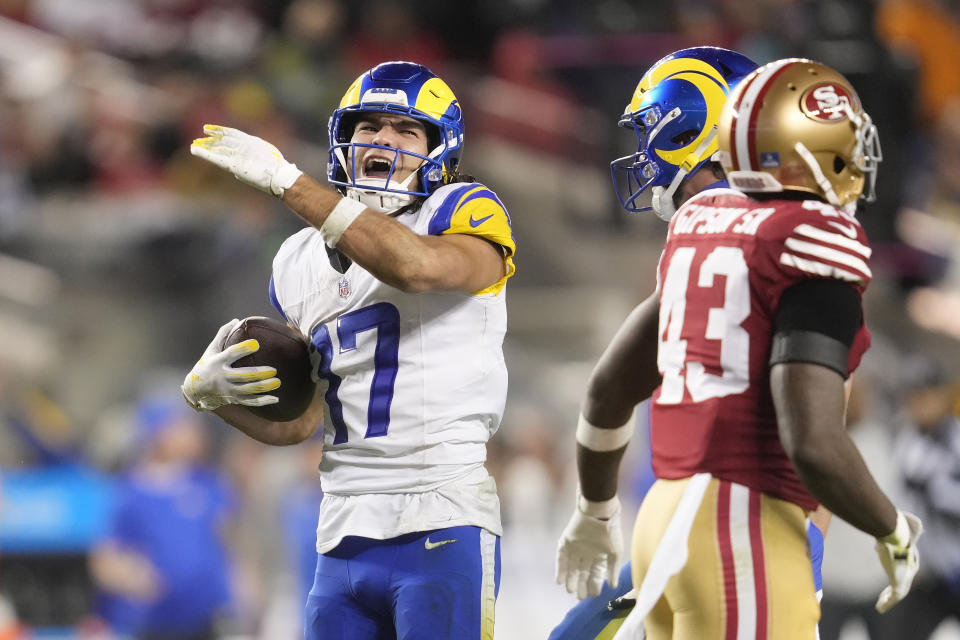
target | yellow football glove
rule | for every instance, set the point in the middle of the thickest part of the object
(214, 382)
(250, 159)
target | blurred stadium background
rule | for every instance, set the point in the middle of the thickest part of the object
(120, 254)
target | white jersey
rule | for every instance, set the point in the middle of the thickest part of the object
(415, 383)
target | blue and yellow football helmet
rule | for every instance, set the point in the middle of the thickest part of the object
(408, 89)
(674, 112)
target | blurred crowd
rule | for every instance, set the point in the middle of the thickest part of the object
(120, 255)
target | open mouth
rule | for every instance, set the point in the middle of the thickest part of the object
(376, 168)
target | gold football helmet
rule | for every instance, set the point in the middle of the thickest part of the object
(796, 124)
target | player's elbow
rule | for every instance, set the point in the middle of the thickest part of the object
(300, 429)
(303, 428)
(414, 284)
(810, 451)
(289, 435)
(804, 459)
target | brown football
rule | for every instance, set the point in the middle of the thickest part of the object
(285, 349)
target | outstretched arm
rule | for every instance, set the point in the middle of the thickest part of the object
(396, 255)
(381, 245)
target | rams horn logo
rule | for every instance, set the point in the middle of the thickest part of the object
(708, 81)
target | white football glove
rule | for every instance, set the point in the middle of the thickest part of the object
(900, 559)
(214, 382)
(590, 547)
(250, 159)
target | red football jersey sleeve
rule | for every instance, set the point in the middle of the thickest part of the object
(726, 262)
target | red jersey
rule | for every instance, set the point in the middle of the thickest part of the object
(726, 262)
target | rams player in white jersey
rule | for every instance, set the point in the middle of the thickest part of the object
(398, 283)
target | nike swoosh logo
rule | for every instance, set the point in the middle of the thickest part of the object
(433, 545)
(477, 223)
(846, 229)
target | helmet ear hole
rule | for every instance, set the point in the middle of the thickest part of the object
(434, 137)
(839, 164)
(685, 137)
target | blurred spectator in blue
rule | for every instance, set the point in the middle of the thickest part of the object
(927, 453)
(164, 568)
(9, 628)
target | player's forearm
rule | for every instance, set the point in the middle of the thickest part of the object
(266, 431)
(597, 472)
(809, 401)
(311, 200)
(836, 475)
(388, 250)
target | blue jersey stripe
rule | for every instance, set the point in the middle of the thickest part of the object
(444, 214)
(272, 290)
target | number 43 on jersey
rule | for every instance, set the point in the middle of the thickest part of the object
(720, 323)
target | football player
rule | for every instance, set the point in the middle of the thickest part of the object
(672, 184)
(673, 112)
(677, 96)
(745, 345)
(399, 283)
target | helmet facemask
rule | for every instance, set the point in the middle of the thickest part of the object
(867, 155)
(385, 194)
(634, 174)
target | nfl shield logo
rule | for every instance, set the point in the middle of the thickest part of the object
(343, 287)
(769, 159)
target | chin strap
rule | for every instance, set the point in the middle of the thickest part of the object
(663, 196)
(382, 201)
(818, 174)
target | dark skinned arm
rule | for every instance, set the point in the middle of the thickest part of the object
(809, 401)
(625, 375)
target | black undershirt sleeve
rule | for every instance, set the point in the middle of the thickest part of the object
(816, 322)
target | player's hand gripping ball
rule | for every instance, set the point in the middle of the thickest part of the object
(285, 349)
